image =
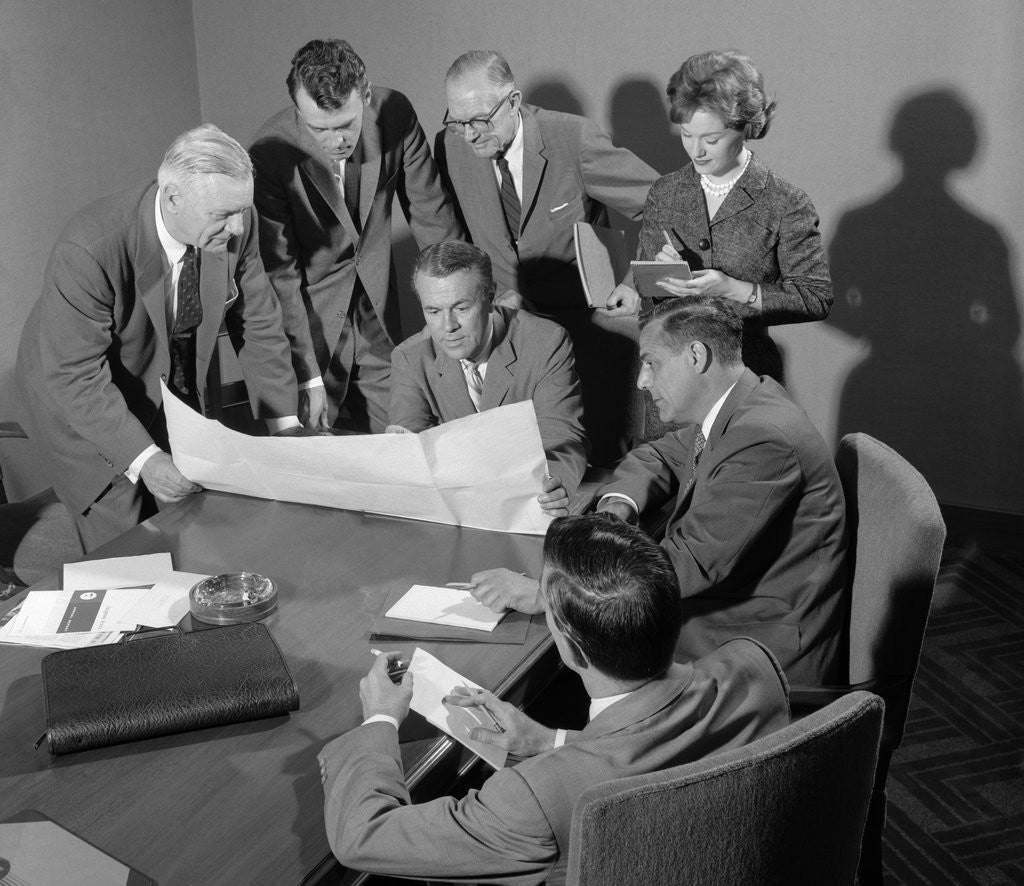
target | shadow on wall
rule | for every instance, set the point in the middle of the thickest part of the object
(926, 284)
(639, 115)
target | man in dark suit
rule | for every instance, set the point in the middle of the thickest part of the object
(521, 177)
(614, 611)
(472, 356)
(134, 294)
(757, 530)
(327, 171)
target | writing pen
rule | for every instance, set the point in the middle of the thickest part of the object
(396, 669)
(668, 240)
(494, 720)
(461, 585)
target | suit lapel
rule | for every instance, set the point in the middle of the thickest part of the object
(534, 164)
(213, 292)
(500, 366)
(744, 385)
(474, 180)
(452, 394)
(369, 153)
(745, 193)
(151, 267)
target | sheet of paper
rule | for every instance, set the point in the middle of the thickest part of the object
(444, 606)
(166, 602)
(432, 680)
(116, 572)
(484, 471)
(45, 613)
(52, 641)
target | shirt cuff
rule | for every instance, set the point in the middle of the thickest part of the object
(317, 382)
(381, 718)
(560, 736)
(135, 468)
(621, 495)
(276, 425)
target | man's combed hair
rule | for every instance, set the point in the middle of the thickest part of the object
(328, 70)
(489, 61)
(614, 592)
(724, 82)
(452, 256)
(205, 150)
(714, 321)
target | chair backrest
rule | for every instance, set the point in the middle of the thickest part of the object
(787, 808)
(896, 534)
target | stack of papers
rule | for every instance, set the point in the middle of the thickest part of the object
(101, 600)
(445, 606)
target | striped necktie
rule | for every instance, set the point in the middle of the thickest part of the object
(474, 382)
(509, 198)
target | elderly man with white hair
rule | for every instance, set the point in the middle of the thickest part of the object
(134, 293)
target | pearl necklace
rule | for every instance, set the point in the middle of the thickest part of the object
(714, 189)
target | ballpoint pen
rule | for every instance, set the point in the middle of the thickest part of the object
(396, 668)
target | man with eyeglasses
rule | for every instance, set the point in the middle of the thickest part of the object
(327, 170)
(521, 176)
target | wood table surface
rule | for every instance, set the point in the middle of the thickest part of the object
(243, 803)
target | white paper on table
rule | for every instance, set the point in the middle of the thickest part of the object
(432, 680)
(45, 613)
(166, 602)
(52, 641)
(116, 572)
(445, 606)
(483, 471)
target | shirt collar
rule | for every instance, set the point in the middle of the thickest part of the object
(709, 419)
(597, 705)
(174, 250)
(514, 152)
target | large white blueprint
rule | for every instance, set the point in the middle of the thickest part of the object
(484, 471)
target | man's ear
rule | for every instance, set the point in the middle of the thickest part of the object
(172, 197)
(700, 354)
(366, 94)
(578, 657)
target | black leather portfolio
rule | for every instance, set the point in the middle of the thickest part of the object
(163, 683)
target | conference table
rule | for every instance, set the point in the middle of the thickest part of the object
(243, 803)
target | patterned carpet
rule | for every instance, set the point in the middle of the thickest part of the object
(956, 787)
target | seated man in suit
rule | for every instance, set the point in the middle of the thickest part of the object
(474, 356)
(757, 532)
(135, 292)
(521, 176)
(328, 168)
(614, 611)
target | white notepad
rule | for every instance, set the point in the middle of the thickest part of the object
(444, 606)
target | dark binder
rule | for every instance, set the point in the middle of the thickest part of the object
(163, 684)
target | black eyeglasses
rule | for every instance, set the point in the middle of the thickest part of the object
(479, 125)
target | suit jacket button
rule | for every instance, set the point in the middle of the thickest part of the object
(705, 243)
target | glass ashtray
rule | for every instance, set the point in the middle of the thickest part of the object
(232, 598)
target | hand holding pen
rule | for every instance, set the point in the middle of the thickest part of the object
(513, 731)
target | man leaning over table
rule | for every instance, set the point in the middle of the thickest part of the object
(613, 608)
(328, 169)
(134, 293)
(474, 355)
(757, 525)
